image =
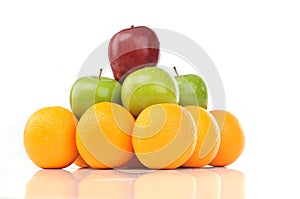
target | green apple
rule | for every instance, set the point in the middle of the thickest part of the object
(148, 86)
(192, 90)
(90, 90)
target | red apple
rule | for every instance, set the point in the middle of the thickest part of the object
(131, 49)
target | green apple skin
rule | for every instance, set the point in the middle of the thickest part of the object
(148, 86)
(88, 91)
(192, 90)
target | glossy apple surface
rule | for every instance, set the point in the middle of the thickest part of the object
(148, 86)
(88, 91)
(131, 49)
(192, 90)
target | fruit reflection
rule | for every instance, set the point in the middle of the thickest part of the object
(208, 183)
(81, 173)
(105, 184)
(232, 183)
(165, 184)
(52, 183)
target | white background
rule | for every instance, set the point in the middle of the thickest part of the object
(255, 46)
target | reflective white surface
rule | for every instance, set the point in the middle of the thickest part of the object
(73, 182)
(20, 178)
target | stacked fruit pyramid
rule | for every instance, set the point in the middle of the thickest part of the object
(144, 117)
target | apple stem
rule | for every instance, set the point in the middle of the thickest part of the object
(100, 73)
(132, 26)
(175, 70)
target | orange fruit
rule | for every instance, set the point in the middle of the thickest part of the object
(49, 137)
(80, 162)
(133, 163)
(51, 184)
(103, 135)
(208, 140)
(232, 138)
(164, 136)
